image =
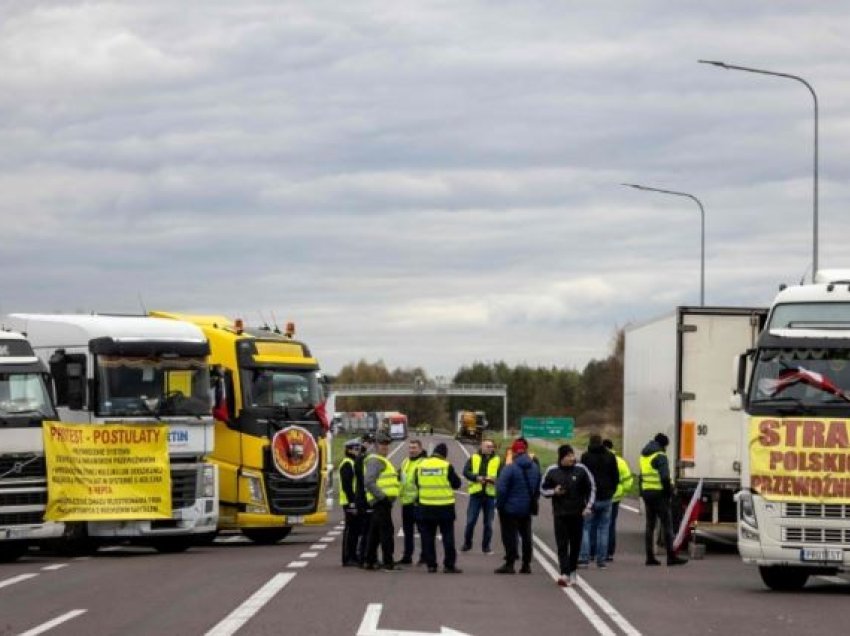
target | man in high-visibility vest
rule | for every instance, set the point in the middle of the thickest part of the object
(348, 487)
(382, 489)
(436, 482)
(623, 488)
(415, 454)
(481, 470)
(656, 488)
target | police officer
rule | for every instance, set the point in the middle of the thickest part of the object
(348, 487)
(415, 454)
(436, 482)
(382, 489)
(481, 470)
(656, 488)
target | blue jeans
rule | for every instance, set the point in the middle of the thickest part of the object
(595, 532)
(477, 504)
(612, 533)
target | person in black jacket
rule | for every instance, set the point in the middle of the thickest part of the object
(572, 490)
(349, 485)
(602, 464)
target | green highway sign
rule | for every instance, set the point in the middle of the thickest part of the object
(550, 427)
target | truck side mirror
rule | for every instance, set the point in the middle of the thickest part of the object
(76, 386)
(739, 369)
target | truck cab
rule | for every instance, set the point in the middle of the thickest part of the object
(25, 402)
(137, 371)
(272, 445)
(794, 386)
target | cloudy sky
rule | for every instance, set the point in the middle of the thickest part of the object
(427, 183)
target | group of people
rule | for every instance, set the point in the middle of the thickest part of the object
(585, 498)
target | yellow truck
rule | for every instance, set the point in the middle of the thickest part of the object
(271, 434)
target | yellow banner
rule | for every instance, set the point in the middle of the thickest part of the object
(800, 459)
(107, 473)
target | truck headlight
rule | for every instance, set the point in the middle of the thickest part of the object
(255, 489)
(208, 482)
(747, 509)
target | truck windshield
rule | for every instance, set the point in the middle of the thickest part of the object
(805, 378)
(277, 387)
(834, 315)
(153, 386)
(24, 394)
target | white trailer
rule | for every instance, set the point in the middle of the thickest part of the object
(116, 370)
(25, 403)
(676, 382)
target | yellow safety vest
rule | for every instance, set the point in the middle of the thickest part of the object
(343, 498)
(624, 485)
(408, 483)
(650, 479)
(492, 471)
(387, 481)
(432, 474)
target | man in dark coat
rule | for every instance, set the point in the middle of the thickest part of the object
(517, 494)
(602, 464)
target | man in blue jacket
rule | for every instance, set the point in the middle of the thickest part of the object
(517, 494)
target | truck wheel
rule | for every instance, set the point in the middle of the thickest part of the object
(267, 536)
(12, 551)
(783, 579)
(76, 541)
(172, 545)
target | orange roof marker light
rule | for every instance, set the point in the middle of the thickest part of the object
(290, 329)
(238, 326)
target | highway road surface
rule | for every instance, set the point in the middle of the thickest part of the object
(299, 588)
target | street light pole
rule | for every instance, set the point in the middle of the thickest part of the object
(747, 69)
(701, 231)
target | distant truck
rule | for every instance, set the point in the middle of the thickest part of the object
(794, 389)
(676, 382)
(25, 402)
(470, 425)
(395, 424)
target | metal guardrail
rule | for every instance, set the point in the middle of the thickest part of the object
(416, 388)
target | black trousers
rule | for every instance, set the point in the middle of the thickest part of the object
(409, 524)
(428, 529)
(514, 529)
(381, 531)
(568, 531)
(657, 506)
(351, 535)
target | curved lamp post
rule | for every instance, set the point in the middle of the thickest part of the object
(733, 67)
(702, 231)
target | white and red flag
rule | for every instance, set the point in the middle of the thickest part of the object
(689, 518)
(789, 377)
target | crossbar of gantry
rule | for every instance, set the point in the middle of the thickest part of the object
(430, 390)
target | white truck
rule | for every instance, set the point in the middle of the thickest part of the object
(25, 403)
(676, 382)
(794, 387)
(117, 370)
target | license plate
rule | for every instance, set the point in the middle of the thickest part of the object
(295, 520)
(822, 555)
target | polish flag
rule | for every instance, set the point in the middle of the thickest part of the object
(219, 411)
(788, 377)
(689, 518)
(321, 411)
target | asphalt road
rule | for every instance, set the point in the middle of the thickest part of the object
(298, 587)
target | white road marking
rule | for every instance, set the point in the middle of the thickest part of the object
(112, 548)
(318, 546)
(253, 604)
(334, 533)
(834, 579)
(595, 596)
(40, 629)
(395, 450)
(83, 558)
(17, 579)
(297, 564)
(630, 508)
(234, 538)
(372, 615)
(308, 555)
(55, 566)
(327, 539)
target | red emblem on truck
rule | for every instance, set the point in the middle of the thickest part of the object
(295, 452)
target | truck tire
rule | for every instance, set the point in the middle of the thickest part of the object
(75, 542)
(783, 578)
(267, 536)
(12, 550)
(172, 545)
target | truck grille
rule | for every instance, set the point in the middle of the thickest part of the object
(21, 518)
(24, 466)
(184, 488)
(290, 497)
(816, 535)
(33, 497)
(816, 511)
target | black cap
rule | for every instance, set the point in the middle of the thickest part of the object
(564, 450)
(441, 449)
(662, 440)
(607, 443)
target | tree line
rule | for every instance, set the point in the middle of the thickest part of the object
(594, 395)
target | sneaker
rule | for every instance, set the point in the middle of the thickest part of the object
(405, 561)
(602, 565)
(488, 551)
(389, 567)
(465, 548)
(525, 569)
(653, 562)
(583, 564)
(432, 569)
(505, 569)
(610, 558)
(573, 578)
(563, 581)
(351, 563)
(421, 562)
(369, 566)
(676, 561)
(452, 570)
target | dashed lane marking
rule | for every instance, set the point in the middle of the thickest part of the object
(17, 579)
(308, 555)
(630, 508)
(327, 539)
(55, 566)
(318, 546)
(297, 564)
(334, 533)
(40, 629)
(253, 604)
